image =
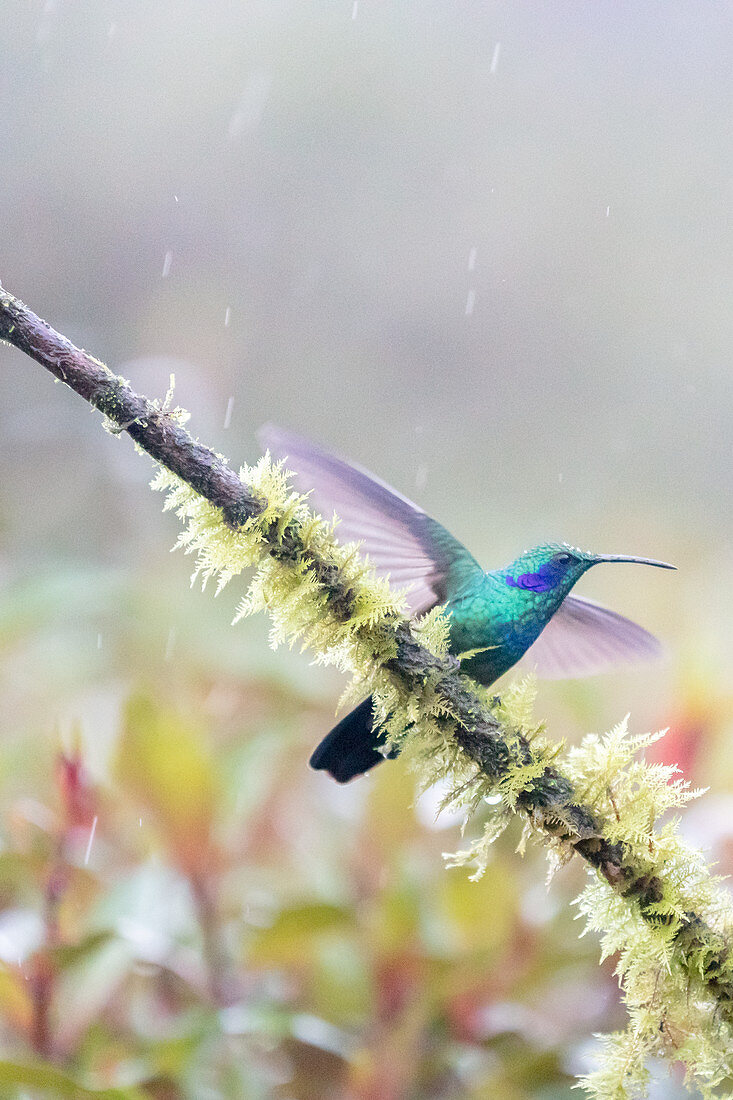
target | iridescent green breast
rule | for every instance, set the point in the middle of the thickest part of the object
(494, 623)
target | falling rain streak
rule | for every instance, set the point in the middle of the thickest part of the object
(252, 102)
(92, 831)
(167, 265)
(228, 413)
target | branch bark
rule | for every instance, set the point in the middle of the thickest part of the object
(153, 429)
(549, 800)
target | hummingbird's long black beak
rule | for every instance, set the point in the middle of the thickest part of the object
(638, 561)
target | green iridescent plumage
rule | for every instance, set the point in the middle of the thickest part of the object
(496, 618)
(494, 621)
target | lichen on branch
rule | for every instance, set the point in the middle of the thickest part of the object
(643, 916)
(649, 896)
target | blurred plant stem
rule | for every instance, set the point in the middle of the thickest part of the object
(76, 818)
(218, 967)
(44, 970)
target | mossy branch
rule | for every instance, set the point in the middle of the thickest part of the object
(652, 898)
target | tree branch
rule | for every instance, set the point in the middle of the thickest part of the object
(153, 429)
(548, 800)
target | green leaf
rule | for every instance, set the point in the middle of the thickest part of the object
(291, 939)
(390, 822)
(162, 761)
(69, 954)
(55, 1083)
(21, 873)
(15, 1001)
(86, 987)
(341, 987)
(476, 916)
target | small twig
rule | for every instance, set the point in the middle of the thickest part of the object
(155, 430)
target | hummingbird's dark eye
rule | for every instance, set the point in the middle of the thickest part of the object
(563, 559)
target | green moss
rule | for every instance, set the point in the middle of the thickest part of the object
(674, 1009)
(664, 918)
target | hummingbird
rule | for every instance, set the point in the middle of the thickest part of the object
(496, 618)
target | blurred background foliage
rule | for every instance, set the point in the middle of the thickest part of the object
(484, 249)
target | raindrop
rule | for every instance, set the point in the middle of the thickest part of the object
(92, 831)
(45, 27)
(608, 210)
(421, 476)
(252, 102)
(227, 316)
(470, 302)
(170, 643)
(495, 58)
(167, 265)
(355, 9)
(228, 413)
(472, 259)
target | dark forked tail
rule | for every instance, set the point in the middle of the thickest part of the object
(352, 747)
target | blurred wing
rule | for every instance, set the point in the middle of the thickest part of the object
(583, 638)
(400, 539)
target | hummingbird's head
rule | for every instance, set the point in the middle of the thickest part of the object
(554, 568)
